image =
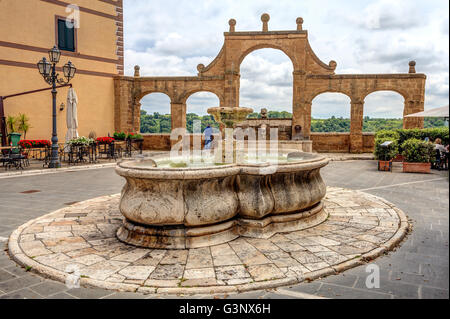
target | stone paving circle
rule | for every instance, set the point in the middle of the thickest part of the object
(360, 227)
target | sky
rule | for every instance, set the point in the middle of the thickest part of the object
(171, 37)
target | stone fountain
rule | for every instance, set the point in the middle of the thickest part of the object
(203, 202)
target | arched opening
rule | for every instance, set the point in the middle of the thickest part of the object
(267, 82)
(330, 112)
(383, 110)
(196, 110)
(155, 113)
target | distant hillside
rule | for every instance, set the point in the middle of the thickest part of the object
(161, 123)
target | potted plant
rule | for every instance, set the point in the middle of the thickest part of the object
(104, 140)
(23, 124)
(81, 141)
(135, 137)
(120, 136)
(11, 124)
(385, 150)
(417, 156)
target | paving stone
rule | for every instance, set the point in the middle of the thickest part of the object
(231, 272)
(137, 272)
(175, 257)
(341, 292)
(4, 275)
(199, 273)
(89, 293)
(19, 283)
(171, 271)
(48, 288)
(25, 293)
(265, 272)
(61, 295)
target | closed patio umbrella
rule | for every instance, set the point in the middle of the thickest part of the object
(71, 115)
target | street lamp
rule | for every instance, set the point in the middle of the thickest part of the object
(48, 71)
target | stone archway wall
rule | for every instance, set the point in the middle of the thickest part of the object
(311, 77)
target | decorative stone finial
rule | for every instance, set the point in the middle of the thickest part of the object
(412, 66)
(232, 24)
(332, 64)
(265, 19)
(200, 67)
(137, 68)
(299, 24)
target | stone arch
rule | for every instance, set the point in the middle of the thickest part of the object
(311, 97)
(204, 121)
(189, 93)
(148, 94)
(348, 101)
(261, 80)
(382, 89)
(265, 46)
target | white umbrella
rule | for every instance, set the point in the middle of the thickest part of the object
(71, 115)
(434, 112)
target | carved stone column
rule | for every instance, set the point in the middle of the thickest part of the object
(301, 108)
(413, 106)
(178, 114)
(356, 126)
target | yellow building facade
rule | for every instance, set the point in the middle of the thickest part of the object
(29, 28)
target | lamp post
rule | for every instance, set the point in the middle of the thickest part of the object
(48, 71)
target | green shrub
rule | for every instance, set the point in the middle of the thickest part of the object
(385, 153)
(388, 134)
(420, 134)
(417, 151)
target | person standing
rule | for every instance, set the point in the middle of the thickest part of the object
(208, 137)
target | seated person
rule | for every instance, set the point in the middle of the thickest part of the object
(438, 145)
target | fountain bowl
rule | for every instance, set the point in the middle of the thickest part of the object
(203, 204)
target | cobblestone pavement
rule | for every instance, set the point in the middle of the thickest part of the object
(418, 269)
(82, 238)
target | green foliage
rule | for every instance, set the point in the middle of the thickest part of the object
(159, 123)
(332, 124)
(119, 135)
(403, 135)
(82, 140)
(385, 153)
(133, 136)
(386, 134)
(23, 124)
(205, 121)
(11, 124)
(417, 151)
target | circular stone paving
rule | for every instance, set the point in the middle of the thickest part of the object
(81, 239)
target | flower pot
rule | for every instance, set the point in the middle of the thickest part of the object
(398, 158)
(15, 138)
(417, 168)
(385, 166)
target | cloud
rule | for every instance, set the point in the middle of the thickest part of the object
(171, 38)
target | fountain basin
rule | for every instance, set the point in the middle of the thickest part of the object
(206, 204)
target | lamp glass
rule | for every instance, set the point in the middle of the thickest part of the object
(47, 67)
(54, 54)
(40, 66)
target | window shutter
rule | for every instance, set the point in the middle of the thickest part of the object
(61, 35)
(70, 39)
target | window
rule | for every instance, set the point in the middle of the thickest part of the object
(66, 36)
